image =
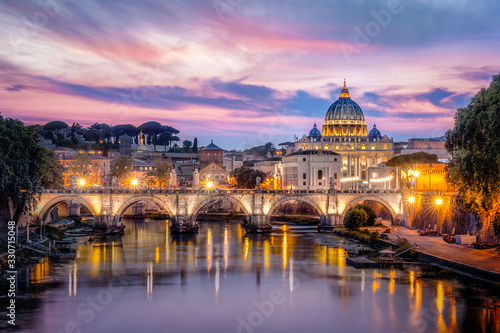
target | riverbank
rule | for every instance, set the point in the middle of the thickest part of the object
(439, 266)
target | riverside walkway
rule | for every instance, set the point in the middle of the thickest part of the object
(464, 254)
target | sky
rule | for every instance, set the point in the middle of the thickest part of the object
(245, 72)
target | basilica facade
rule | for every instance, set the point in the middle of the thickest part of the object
(345, 133)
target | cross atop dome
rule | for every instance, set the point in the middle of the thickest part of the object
(344, 93)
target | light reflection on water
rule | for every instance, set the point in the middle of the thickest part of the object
(220, 280)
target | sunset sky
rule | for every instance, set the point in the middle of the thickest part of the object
(245, 72)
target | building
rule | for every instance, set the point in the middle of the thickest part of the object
(211, 153)
(309, 170)
(428, 145)
(345, 133)
(212, 164)
(125, 144)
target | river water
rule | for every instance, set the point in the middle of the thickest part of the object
(293, 280)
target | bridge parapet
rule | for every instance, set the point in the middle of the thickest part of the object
(183, 205)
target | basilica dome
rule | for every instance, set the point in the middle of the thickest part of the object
(315, 133)
(374, 134)
(344, 118)
(344, 108)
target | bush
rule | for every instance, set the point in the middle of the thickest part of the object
(402, 242)
(355, 218)
(369, 212)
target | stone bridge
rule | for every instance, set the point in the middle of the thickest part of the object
(183, 206)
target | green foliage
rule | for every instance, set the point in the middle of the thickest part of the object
(355, 218)
(195, 145)
(474, 143)
(364, 236)
(125, 129)
(52, 176)
(246, 177)
(369, 212)
(55, 126)
(262, 150)
(121, 167)
(80, 165)
(296, 219)
(163, 167)
(21, 168)
(186, 145)
(407, 161)
(402, 242)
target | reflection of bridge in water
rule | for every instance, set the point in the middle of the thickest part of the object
(183, 206)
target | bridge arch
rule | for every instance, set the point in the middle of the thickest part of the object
(211, 199)
(140, 198)
(284, 199)
(47, 208)
(358, 200)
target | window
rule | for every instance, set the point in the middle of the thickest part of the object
(216, 176)
(335, 175)
(385, 146)
(304, 159)
(304, 183)
(320, 183)
(373, 147)
(320, 174)
(304, 176)
(335, 159)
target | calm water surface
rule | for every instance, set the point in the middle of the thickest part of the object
(294, 280)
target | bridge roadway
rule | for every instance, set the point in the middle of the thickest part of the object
(109, 205)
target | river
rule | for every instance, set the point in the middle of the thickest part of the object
(293, 280)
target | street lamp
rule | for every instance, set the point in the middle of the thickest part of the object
(411, 199)
(439, 201)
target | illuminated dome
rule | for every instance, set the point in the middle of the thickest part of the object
(314, 134)
(344, 117)
(374, 134)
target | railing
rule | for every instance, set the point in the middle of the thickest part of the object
(216, 191)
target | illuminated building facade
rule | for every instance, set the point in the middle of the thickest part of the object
(345, 132)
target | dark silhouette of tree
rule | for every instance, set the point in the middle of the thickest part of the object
(55, 126)
(52, 176)
(246, 177)
(21, 168)
(474, 143)
(186, 145)
(195, 145)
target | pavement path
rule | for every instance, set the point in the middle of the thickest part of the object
(435, 245)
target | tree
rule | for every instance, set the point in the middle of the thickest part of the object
(52, 176)
(370, 213)
(246, 177)
(474, 143)
(152, 129)
(186, 145)
(121, 167)
(127, 129)
(409, 161)
(21, 168)
(161, 173)
(86, 168)
(355, 218)
(195, 145)
(55, 126)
